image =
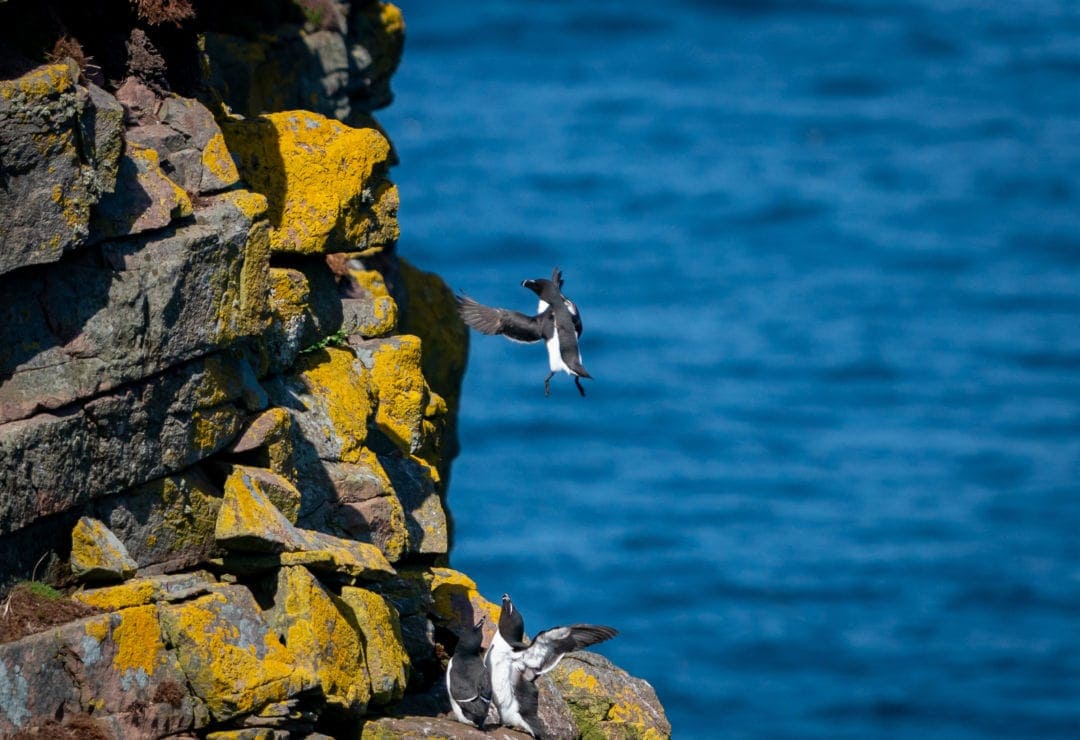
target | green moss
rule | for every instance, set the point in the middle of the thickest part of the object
(41, 590)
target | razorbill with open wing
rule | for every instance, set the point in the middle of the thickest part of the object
(515, 664)
(557, 322)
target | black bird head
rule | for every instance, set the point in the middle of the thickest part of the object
(470, 642)
(544, 288)
(511, 623)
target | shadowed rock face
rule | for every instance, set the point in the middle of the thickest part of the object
(227, 409)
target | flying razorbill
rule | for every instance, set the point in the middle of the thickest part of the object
(557, 322)
(467, 679)
(515, 664)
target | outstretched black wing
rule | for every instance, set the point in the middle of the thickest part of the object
(548, 648)
(511, 324)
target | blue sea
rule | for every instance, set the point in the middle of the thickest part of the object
(826, 481)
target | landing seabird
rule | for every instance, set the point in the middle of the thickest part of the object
(515, 664)
(467, 679)
(557, 322)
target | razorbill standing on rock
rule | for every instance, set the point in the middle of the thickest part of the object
(515, 664)
(467, 679)
(557, 322)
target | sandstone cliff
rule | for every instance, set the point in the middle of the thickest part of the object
(227, 406)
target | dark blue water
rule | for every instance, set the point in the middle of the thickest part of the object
(827, 479)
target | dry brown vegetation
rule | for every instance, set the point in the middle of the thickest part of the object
(158, 12)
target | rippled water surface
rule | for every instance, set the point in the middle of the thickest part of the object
(827, 479)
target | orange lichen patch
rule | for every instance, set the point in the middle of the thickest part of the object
(138, 641)
(455, 600)
(219, 162)
(40, 81)
(175, 200)
(290, 294)
(392, 19)
(630, 719)
(231, 658)
(387, 661)
(211, 428)
(322, 179)
(404, 396)
(340, 385)
(348, 557)
(136, 592)
(97, 553)
(579, 678)
(252, 205)
(321, 639)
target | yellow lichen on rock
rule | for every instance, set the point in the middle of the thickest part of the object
(136, 592)
(139, 648)
(383, 309)
(456, 602)
(279, 490)
(321, 639)
(323, 181)
(40, 81)
(96, 553)
(231, 659)
(407, 408)
(339, 384)
(174, 200)
(218, 161)
(387, 661)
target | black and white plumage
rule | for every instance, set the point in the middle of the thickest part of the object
(557, 322)
(467, 679)
(515, 664)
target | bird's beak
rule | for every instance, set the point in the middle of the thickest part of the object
(530, 284)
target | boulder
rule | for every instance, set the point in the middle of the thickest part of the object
(608, 702)
(167, 523)
(112, 665)
(324, 181)
(54, 163)
(368, 309)
(366, 506)
(97, 554)
(304, 311)
(144, 199)
(323, 640)
(266, 442)
(278, 490)
(408, 411)
(400, 728)
(52, 462)
(384, 649)
(155, 302)
(232, 660)
(142, 591)
(329, 399)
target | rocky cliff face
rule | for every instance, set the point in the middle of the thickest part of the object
(226, 404)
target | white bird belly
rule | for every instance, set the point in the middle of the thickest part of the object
(501, 667)
(555, 360)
